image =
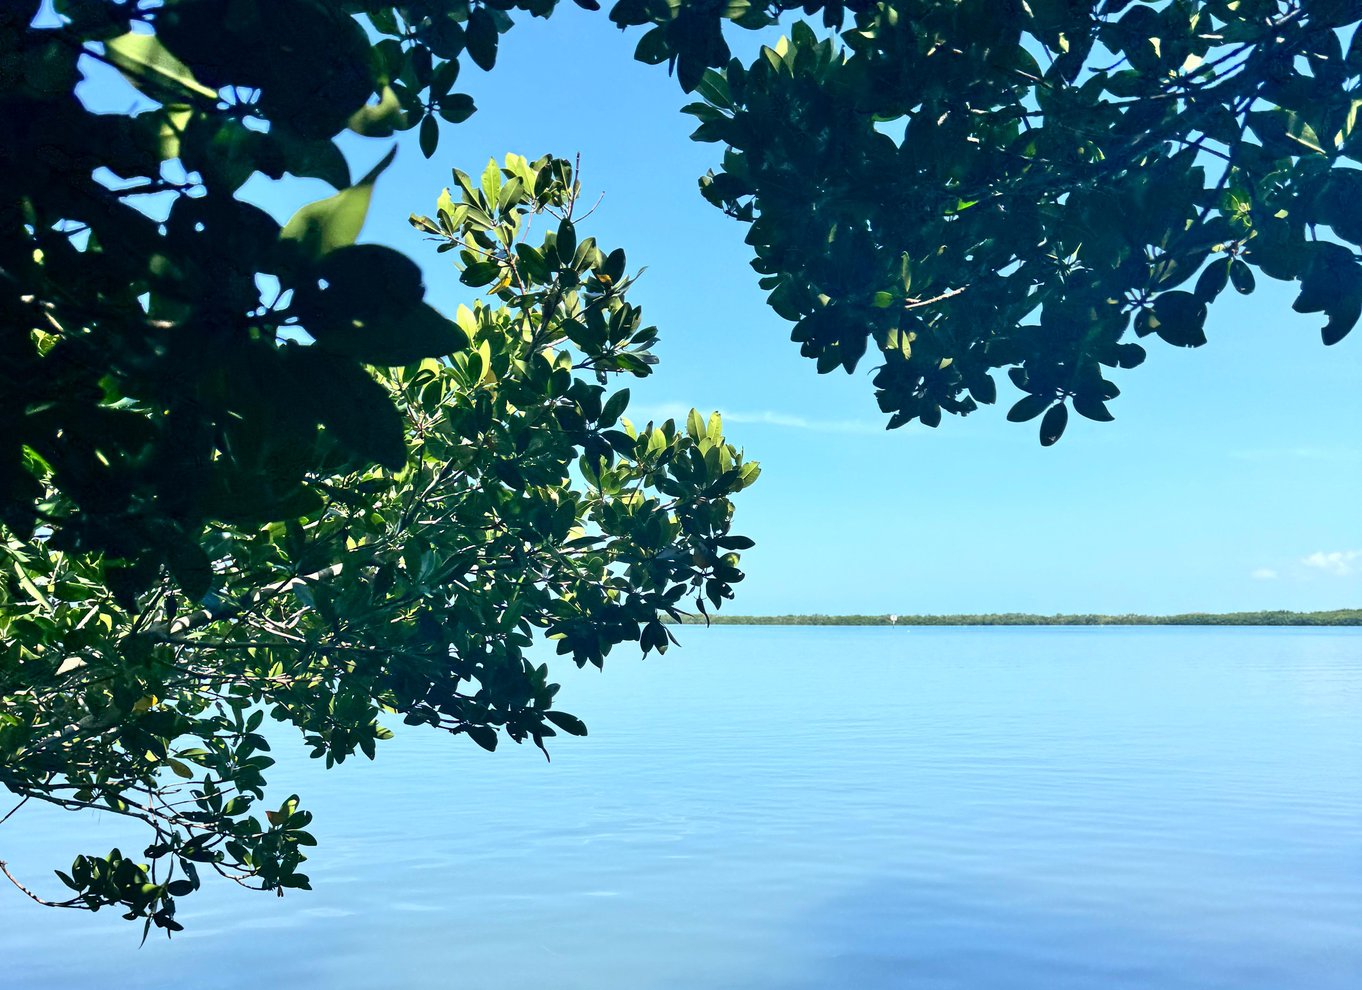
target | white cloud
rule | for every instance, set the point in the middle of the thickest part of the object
(768, 417)
(1339, 563)
(1264, 574)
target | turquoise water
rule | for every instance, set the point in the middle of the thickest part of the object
(780, 808)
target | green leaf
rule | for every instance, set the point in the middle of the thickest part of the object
(713, 87)
(653, 48)
(984, 390)
(1343, 316)
(1053, 423)
(457, 107)
(309, 157)
(1331, 274)
(485, 736)
(1092, 407)
(149, 66)
(379, 119)
(1284, 132)
(736, 543)
(371, 309)
(1029, 407)
(354, 408)
(1300, 131)
(1332, 284)
(430, 135)
(335, 222)
(491, 181)
(613, 266)
(1213, 279)
(179, 769)
(191, 567)
(480, 37)
(570, 724)
(1340, 205)
(480, 273)
(1241, 276)
(1179, 318)
(566, 243)
(400, 337)
(612, 409)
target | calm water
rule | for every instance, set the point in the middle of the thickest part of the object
(972, 809)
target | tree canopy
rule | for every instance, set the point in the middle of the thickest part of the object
(416, 587)
(963, 186)
(246, 470)
(249, 472)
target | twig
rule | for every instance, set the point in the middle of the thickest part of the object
(11, 811)
(4, 868)
(949, 294)
(204, 616)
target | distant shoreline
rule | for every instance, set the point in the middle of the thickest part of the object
(1340, 617)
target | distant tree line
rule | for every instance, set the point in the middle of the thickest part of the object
(1337, 617)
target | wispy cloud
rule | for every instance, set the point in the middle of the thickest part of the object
(1264, 574)
(767, 417)
(1339, 563)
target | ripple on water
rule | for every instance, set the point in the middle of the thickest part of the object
(966, 809)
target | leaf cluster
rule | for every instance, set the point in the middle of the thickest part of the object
(245, 468)
(961, 187)
(519, 506)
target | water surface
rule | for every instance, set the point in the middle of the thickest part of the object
(773, 808)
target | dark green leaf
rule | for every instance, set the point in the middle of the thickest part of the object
(570, 724)
(1213, 279)
(1179, 318)
(430, 135)
(1029, 407)
(614, 406)
(354, 408)
(480, 37)
(566, 243)
(1053, 423)
(1092, 407)
(364, 301)
(457, 107)
(1241, 277)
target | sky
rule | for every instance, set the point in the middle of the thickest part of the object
(1229, 480)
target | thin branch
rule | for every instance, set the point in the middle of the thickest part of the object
(949, 294)
(73, 903)
(204, 616)
(10, 813)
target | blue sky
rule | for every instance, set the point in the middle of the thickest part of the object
(1228, 481)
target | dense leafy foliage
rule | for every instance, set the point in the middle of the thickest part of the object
(247, 471)
(961, 186)
(216, 506)
(416, 587)
(929, 187)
